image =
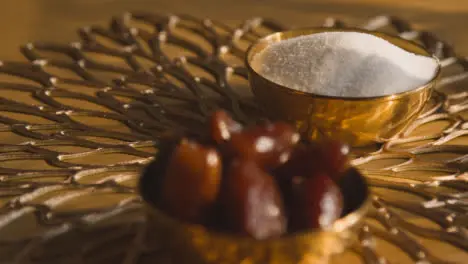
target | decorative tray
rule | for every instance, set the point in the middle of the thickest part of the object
(80, 120)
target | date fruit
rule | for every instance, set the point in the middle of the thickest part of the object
(316, 202)
(329, 157)
(334, 155)
(192, 181)
(269, 145)
(251, 201)
(257, 181)
(223, 126)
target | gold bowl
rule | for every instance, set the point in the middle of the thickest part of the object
(183, 242)
(358, 121)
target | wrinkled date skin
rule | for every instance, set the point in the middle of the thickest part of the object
(252, 202)
(269, 145)
(192, 182)
(316, 202)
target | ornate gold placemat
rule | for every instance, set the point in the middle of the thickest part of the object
(78, 121)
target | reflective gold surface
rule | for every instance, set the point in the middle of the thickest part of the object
(359, 121)
(68, 196)
(188, 243)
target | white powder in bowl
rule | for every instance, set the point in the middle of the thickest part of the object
(345, 64)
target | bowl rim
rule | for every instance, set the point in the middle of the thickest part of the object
(339, 225)
(314, 30)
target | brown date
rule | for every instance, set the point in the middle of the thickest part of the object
(192, 181)
(269, 145)
(328, 157)
(251, 201)
(223, 126)
(334, 155)
(316, 202)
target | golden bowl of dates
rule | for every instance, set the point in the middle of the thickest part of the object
(357, 120)
(253, 194)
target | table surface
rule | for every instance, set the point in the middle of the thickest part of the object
(58, 20)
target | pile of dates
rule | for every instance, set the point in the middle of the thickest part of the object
(260, 181)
